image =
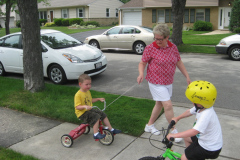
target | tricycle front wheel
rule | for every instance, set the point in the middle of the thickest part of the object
(108, 139)
(67, 140)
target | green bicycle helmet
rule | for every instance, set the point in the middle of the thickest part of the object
(202, 92)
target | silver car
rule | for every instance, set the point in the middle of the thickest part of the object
(123, 37)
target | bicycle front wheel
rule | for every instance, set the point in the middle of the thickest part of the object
(152, 158)
(108, 139)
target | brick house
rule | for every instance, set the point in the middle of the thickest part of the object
(149, 12)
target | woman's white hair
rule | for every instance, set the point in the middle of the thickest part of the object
(162, 30)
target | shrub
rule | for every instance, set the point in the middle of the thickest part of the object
(49, 24)
(65, 22)
(75, 21)
(18, 24)
(42, 21)
(92, 23)
(235, 16)
(58, 21)
(202, 26)
(236, 30)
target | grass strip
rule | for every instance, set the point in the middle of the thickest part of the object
(57, 102)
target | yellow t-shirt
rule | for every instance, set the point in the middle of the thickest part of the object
(82, 98)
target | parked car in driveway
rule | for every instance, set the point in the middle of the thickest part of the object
(231, 46)
(64, 58)
(123, 37)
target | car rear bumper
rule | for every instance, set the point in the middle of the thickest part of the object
(221, 49)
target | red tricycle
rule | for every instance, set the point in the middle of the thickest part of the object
(84, 128)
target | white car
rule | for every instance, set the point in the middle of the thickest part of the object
(230, 45)
(64, 58)
(123, 37)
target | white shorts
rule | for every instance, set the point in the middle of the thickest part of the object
(160, 92)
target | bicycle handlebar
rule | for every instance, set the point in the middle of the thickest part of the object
(99, 108)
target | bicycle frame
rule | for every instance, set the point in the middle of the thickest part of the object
(170, 154)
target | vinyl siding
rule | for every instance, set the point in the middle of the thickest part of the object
(98, 8)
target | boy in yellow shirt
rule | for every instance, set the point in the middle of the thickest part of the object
(83, 108)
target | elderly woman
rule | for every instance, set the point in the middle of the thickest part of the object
(162, 58)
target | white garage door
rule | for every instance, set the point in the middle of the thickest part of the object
(132, 18)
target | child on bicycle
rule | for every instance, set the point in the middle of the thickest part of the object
(83, 108)
(204, 140)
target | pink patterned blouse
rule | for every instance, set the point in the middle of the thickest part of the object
(161, 63)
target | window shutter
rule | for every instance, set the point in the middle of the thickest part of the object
(154, 16)
(167, 15)
(186, 16)
(207, 15)
(192, 15)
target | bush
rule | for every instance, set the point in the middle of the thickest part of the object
(236, 30)
(42, 21)
(18, 24)
(75, 21)
(235, 16)
(58, 21)
(94, 23)
(49, 24)
(202, 26)
(65, 22)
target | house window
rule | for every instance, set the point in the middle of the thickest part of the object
(107, 12)
(207, 15)
(161, 17)
(192, 15)
(154, 16)
(42, 15)
(64, 13)
(116, 12)
(186, 16)
(81, 12)
(199, 14)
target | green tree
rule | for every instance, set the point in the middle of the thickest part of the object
(10, 4)
(10, 7)
(32, 50)
(178, 7)
(235, 16)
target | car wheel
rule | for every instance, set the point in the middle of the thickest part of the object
(57, 75)
(234, 53)
(139, 47)
(94, 43)
(2, 71)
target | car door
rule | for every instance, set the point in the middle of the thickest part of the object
(11, 54)
(126, 37)
(110, 38)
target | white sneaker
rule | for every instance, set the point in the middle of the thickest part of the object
(177, 140)
(152, 129)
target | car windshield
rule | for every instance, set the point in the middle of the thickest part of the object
(147, 29)
(59, 40)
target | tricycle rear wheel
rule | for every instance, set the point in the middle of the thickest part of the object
(67, 140)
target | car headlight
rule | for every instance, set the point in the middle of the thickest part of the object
(222, 43)
(72, 58)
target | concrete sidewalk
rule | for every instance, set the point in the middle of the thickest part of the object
(40, 138)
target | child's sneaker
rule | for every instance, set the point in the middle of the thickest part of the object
(177, 140)
(116, 131)
(99, 136)
(152, 129)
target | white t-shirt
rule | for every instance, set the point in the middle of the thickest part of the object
(208, 125)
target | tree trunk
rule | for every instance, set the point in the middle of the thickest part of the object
(8, 10)
(178, 7)
(32, 50)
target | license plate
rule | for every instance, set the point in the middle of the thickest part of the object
(98, 65)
